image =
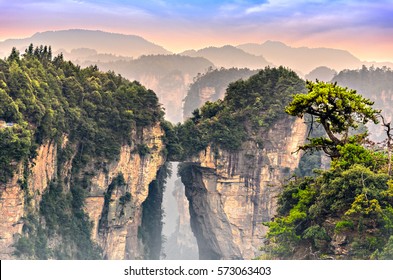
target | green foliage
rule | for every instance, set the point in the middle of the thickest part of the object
(344, 225)
(65, 222)
(173, 149)
(386, 252)
(248, 107)
(353, 198)
(15, 146)
(216, 79)
(64, 216)
(46, 98)
(317, 235)
(337, 109)
(24, 247)
(353, 153)
(143, 150)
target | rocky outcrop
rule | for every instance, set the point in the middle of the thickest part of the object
(11, 211)
(15, 193)
(232, 194)
(118, 235)
(113, 204)
(42, 170)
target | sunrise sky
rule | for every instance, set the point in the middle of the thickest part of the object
(363, 27)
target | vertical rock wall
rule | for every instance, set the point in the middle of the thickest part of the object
(114, 209)
(13, 197)
(231, 194)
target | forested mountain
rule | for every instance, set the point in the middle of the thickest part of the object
(211, 86)
(102, 42)
(229, 57)
(83, 152)
(247, 107)
(64, 120)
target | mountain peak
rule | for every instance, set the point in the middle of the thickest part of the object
(271, 43)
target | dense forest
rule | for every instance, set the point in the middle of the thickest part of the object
(91, 113)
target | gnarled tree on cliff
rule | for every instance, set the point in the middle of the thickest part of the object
(345, 212)
(337, 109)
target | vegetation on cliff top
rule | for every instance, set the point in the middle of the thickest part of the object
(344, 212)
(46, 99)
(249, 107)
(216, 80)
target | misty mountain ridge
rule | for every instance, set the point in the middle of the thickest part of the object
(305, 59)
(102, 42)
(86, 55)
(229, 56)
(81, 45)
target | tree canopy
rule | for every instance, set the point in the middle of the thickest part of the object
(337, 109)
(249, 107)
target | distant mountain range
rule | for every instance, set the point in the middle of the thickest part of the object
(229, 56)
(87, 45)
(102, 42)
(304, 59)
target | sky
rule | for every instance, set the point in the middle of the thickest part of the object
(363, 27)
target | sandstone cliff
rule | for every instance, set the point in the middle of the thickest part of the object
(115, 209)
(231, 194)
(18, 196)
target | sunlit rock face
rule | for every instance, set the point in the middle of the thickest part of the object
(13, 196)
(116, 220)
(232, 194)
(114, 209)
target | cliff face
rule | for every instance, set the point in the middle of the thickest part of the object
(231, 194)
(113, 205)
(11, 212)
(14, 195)
(118, 235)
